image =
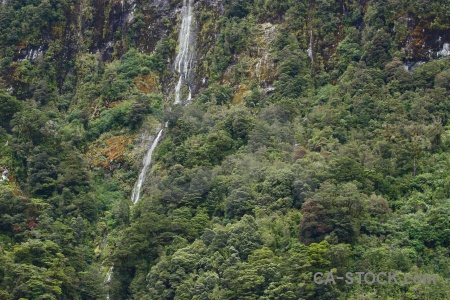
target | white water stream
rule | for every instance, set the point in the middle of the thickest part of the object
(185, 55)
(183, 63)
(108, 280)
(183, 66)
(146, 163)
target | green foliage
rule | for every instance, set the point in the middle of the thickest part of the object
(309, 147)
(233, 38)
(26, 126)
(110, 119)
(42, 173)
(336, 210)
(134, 63)
(216, 94)
(238, 8)
(293, 77)
(8, 107)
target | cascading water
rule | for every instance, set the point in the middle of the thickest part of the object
(185, 55)
(137, 191)
(147, 160)
(108, 279)
(310, 49)
(183, 66)
(183, 63)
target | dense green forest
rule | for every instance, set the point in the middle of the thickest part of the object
(317, 140)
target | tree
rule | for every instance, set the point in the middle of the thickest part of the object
(72, 174)
(336, 210)
(239, 203)
(42, 172)
(238, 8)
(8, 107)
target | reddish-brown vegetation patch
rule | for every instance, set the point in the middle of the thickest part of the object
(146, 83)
(108, 152)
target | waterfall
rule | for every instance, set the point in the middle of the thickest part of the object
(445, 50)
(310, 49)
(310, 25)
(146, 163)
(185, 55)
(183, 63)
(137, 190)
(108, 280)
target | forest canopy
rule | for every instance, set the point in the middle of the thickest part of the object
(317, 140)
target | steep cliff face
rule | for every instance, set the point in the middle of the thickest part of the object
(110, 28)
(283, 104)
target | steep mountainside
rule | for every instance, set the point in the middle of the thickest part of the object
(280, 138)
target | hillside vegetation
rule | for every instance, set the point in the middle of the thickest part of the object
(317, 140)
